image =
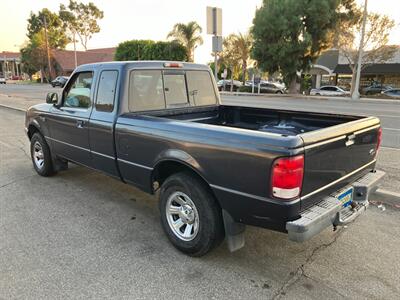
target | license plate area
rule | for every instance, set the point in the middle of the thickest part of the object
(345, 196)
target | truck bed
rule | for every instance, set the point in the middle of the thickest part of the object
(287, 123)
(337, 148)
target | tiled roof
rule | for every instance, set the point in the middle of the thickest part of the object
(10, 55)
(66, 58)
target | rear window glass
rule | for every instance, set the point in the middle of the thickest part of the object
(157, 89)
(175, 90)
(146, 90)
(201, 88)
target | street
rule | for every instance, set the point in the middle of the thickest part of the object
(83, 235)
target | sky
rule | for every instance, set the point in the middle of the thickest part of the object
(153, 19)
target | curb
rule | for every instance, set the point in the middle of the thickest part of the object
(12, 108)
(387, 197)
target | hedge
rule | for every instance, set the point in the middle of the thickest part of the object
(150, 50)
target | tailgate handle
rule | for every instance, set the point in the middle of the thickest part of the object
(350, 140)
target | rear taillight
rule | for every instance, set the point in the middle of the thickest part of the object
(379, 139)
(287, 177)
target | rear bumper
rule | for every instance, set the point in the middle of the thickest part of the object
(330, 212)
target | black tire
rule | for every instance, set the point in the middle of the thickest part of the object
(279, 92)
(46, 169)
(210, 223)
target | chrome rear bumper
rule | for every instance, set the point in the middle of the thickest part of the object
(330, 212)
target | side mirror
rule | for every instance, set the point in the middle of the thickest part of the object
(52, 98)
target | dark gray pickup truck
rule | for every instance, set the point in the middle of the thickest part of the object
(160, 126)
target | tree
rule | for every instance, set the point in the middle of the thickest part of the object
(375, 42)
(55, 31)
(81, 19)
(150, 50)
(230, 56)
(241, 44)
(34, 55)
(289, 35)
(189, 35)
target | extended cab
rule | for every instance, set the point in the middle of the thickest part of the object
(160, 126)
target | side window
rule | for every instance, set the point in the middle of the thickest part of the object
(106, 91)
(77, 94)
(175, 90)
(146, 90)
(201, 88)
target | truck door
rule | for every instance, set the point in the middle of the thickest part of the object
(68, 122)
(101, 124)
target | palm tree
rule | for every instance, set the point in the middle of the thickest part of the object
(189, 35)
(242, 43)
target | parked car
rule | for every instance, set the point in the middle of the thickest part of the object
(393, 93)
(160, 126)
(59, 81)
(268, 87)
(2, 80)
(225, 84)
(329, 90)
(375, 89)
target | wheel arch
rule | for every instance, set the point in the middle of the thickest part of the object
(166, 167)
(32, 129)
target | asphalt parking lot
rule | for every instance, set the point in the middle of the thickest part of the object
(83, 235)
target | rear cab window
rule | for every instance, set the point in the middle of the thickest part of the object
(168, 89)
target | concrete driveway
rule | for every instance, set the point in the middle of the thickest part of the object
(83, 235)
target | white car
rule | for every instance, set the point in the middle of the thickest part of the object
(2, 80)
(329, 90)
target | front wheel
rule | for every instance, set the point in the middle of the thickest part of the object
(190, 216)
(41, 157)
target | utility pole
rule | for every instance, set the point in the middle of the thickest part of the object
(356, 93)
(47, 45)
(76, 60)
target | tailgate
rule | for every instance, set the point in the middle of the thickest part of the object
(335, 155)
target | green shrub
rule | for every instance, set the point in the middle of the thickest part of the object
(150, 50)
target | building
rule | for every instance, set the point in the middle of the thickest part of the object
(333, 68)
(10, 64)
(387, 73)
(323, 71)
(64, 60)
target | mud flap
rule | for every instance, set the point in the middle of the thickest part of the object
(234, 232)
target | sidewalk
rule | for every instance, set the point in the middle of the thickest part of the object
(17, 103)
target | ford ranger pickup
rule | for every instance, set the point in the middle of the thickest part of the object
(161, 127)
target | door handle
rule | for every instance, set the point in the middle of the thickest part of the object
(80, 123)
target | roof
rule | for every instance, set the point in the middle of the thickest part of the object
(66, 58)
(328, 59)
(9, 55)
(371, 69)
(148, 64)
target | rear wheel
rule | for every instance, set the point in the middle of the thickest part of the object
(190, 216)
(41, 157)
